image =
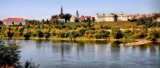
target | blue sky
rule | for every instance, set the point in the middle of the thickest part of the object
(44, 9)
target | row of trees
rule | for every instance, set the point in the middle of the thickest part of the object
(81, 31)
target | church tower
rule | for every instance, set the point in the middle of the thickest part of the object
(61, 10)
(77, 14)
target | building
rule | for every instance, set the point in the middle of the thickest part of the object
(138, 16)
(61, 15)
(110, 17)
(14, 21)
(73, 19)
(77, 14)
(100, 18)
(85, 18)
(123, 17)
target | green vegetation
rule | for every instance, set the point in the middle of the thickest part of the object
(10, 55)
(144, 28)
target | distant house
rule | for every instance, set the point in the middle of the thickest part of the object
(14, 21)
(73, 19)
(138, 16)
(85, 18)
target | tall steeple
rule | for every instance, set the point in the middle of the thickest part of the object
(61, 10)
(77, 14)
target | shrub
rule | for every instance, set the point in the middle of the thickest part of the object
(39, 33)
(26, 34)
(101, 34)
(9, 53)
(116, 33)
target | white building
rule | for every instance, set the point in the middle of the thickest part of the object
(72, 19)
(14, 21)
(100, 18)
(123, 17)
(110, 17)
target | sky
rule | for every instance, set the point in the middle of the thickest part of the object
(44, 9)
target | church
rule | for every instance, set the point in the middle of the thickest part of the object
(61, 16)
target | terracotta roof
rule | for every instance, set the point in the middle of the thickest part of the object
(82, 17)
(87, 16)
(16, 19)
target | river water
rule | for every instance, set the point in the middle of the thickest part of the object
(97, 54)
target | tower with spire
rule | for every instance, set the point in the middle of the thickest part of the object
(61, 16)
(77, 14)
(61, 10)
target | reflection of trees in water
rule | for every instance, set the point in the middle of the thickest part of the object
(115, 50)
(151, 47)
(62, 52)
(158, 45)
(144, 48)
(115, 44)
(38, 44)
(80, 46)
(41, 43)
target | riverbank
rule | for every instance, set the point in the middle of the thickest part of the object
(125, 42)
(137, 43)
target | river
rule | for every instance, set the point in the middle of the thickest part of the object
(97, 54)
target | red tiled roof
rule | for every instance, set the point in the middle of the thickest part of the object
(16, 19)
(82, 17)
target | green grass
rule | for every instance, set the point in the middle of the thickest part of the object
(120, 24)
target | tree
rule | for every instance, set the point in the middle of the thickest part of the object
(39, 33)
(20, 24)
(67, 17)
(115, 17)
(116, 33)
(46, 34)
(13, 23)
(26, 34)
(140, 21)
(1, 23)
(47, 21)
(156, 15)
(101, 34)
(43, 21)
(54, 19)
(9, 54)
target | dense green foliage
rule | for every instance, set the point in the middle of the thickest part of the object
(10, 55)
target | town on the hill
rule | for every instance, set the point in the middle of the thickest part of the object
(84, 18)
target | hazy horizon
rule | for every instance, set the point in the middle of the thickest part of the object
(44, 9)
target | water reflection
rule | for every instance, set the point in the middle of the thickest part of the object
(73, 54)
